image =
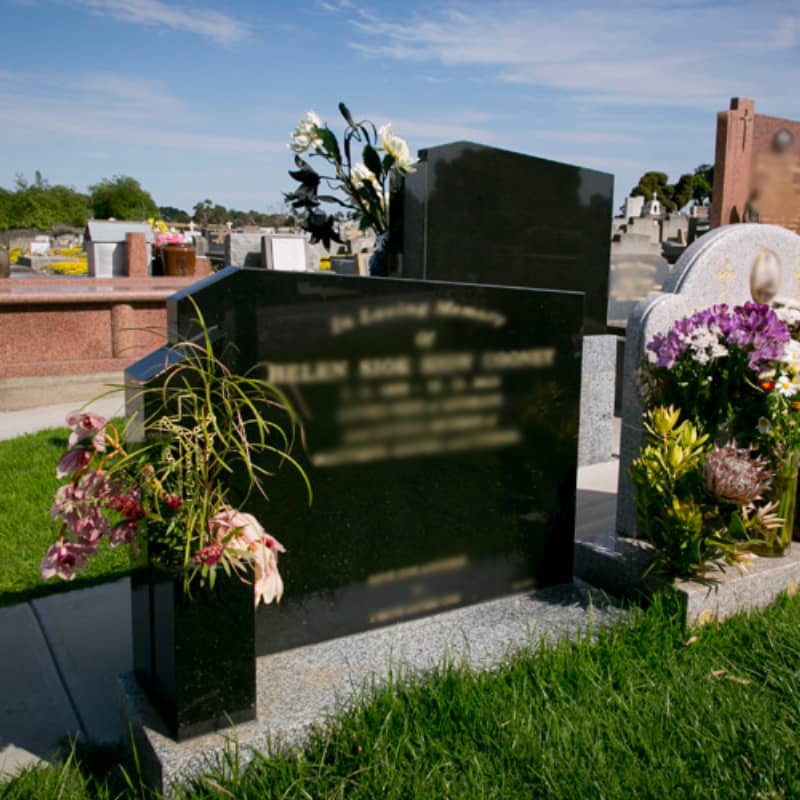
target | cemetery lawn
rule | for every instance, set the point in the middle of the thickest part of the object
(28, 470)
(644, 710)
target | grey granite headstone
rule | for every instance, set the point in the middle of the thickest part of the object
(598, 377)
(733, 264)
(243, 250)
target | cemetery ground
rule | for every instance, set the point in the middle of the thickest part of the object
(646, 709)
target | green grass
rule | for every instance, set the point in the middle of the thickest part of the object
(27, 485)
(643, 710)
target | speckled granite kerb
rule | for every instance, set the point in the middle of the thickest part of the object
(301, 688)
(617, 565)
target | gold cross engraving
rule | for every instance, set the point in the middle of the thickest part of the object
(725, 274)
(746, 120)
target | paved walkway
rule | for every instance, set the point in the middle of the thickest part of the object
(61, 654)
(28, 405)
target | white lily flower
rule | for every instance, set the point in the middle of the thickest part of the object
(397, 147)
(361, 174)
(304, 136)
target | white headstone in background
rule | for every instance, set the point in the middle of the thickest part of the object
(288, 253)
(40, 246)
(734, 264)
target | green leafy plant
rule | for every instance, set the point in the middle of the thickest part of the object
(670, 501)
(697, 503)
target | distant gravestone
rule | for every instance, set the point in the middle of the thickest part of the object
(733, 265)
(479, 214)
(40, 246)
(243, 249)
(284, 252)
(441, 425)
(633, 277)
(215, 238)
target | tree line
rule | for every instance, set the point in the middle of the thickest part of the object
(695, 186)
(43, 206)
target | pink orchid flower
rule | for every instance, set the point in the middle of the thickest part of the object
(63, 559)
(267, 581)
(73, 461)
(250, 537)
(85, 425)
(89, 529)
(124, 533)
(246, 528)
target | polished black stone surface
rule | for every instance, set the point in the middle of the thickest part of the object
(441, 425)
(193, 655)
(478, 214)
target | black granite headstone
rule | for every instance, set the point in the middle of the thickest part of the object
(478, 214)
(441, 425)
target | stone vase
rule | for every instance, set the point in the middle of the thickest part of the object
(194, 654)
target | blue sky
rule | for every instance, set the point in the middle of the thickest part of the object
(197, 100)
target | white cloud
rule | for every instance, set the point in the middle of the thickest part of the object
(457, 126)
(215, 25)
(683, 54)
(106, 106)
(587, 136)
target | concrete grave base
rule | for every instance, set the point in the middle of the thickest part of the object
(299, 689)
(617, 565)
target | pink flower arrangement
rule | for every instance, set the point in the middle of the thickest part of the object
(163, 238)
(242, 534)
(96, 505)
(172, 490)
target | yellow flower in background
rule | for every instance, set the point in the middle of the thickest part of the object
(69, 267)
